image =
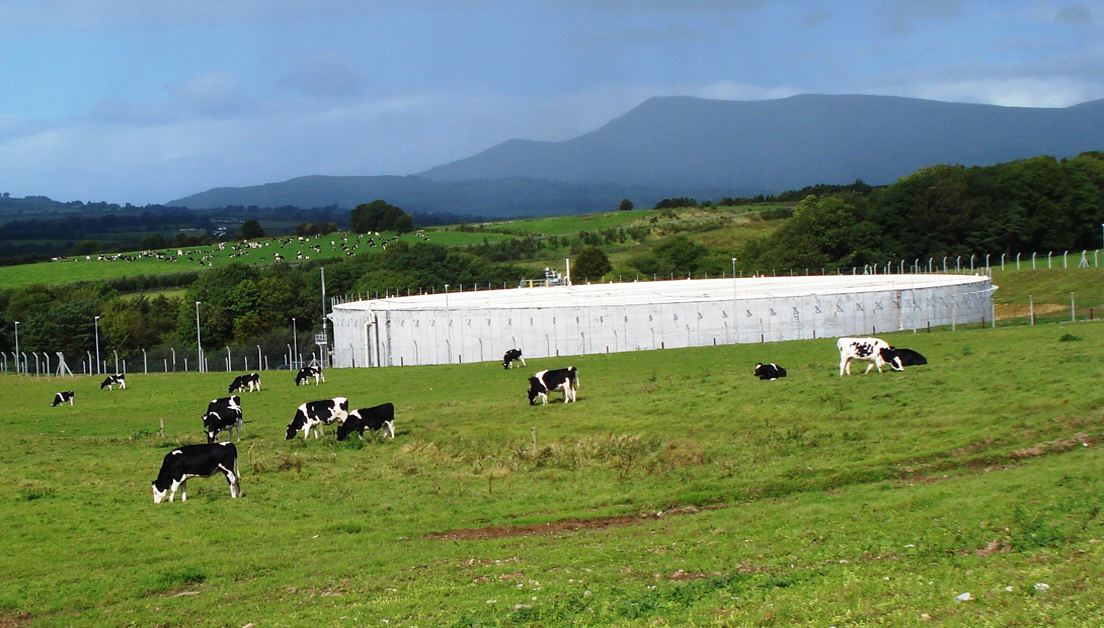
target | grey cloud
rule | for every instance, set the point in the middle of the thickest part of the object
(325, 75)
(214, 95)
(1075, 14)
(815, 18)
(900, 16)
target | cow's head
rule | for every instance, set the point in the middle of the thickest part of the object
(158, 495)
(235, 386)
(536, 389)
(890, 357)
(758, 369)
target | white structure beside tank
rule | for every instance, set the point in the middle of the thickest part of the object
(603, 318)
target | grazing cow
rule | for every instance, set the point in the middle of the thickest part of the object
(566, 380)
(374, 418)
(196, 461)
(900, 358)
(312, 415)
(308, 372)
(866, 349)
(769, 371)
(62, 397)
(512, 356)
(223, 414)
(241, 382)
(112, 380)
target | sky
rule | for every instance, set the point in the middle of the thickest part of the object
(145, 101)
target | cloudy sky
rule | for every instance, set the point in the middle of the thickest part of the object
(143, 101)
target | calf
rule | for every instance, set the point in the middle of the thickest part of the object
(308, 372)
(191, 461)
(512, 356)
(312, 415)
(62, 397)
(866, 349)
(241, 382)
(566, 380)
(769, 371)
(378, 417)
(223, 414)
(900, 358)
(112, 380)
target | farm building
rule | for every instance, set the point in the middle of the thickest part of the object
(603, 318)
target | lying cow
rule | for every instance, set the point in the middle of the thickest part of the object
(112, 380)
(196, 461)
(62, 397)
(308, 372)
(512, 356)
(312, 415)
(375, 418)
(865, 349)
(900, 358)
(223, 414)
(566, 380)
(241, 382)
(769, 371)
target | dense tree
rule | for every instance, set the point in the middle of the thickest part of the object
(590, 265)
(251, 230)
(626, 205)
(380, 216)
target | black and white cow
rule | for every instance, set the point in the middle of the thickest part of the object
(865, 349)
(112, 380)
(769, 371)
(242, 382)
(308, 372)
(62, 397)
(566, 380)
(312, 415)
(512, 356)
(196, 461)
(900, 358)
(374, 418)
(224, 413)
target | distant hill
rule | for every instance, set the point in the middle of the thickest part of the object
(766, 146)
(500, 198)
(684, 146)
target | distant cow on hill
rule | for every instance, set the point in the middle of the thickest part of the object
(769, 371)
(312, 415)
(544, 382)
(512, 356)
(307, 372)
(112, 380)
(900, 358)
(62, 397)
(865, 349)
(196, 461)
(242, 382)
(224, 413)
(374, 418)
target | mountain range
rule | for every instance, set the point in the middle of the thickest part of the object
(682, 146)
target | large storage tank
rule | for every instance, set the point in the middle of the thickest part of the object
(604, 318)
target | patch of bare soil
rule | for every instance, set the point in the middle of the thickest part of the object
(554, 527)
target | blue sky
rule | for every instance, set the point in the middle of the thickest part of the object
(142, 102)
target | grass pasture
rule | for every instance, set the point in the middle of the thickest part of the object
(679, 490)
(204, 257)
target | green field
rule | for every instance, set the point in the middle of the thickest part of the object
(679, 490)
(90, 268)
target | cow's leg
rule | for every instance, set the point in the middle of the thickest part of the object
(843, 365)
(390, 425)
(183, 491)
(522, 361)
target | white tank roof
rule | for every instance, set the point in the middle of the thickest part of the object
(663, 292)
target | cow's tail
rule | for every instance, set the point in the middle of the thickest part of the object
(574, 377)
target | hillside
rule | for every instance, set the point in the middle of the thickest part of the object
(707, 149)
(751, 147)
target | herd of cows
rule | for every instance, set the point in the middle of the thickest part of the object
(225, 413)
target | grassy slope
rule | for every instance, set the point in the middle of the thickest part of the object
(81, 269)
(859, 501)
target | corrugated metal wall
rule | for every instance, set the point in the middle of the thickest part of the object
(372, 333)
